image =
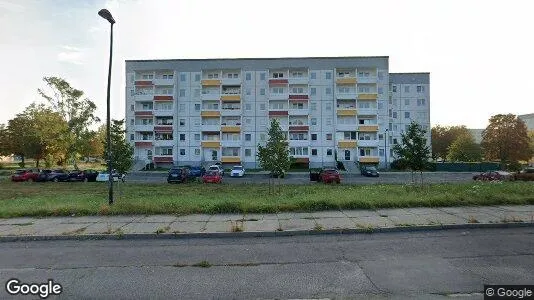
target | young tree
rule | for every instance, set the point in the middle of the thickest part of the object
(4, 141)
(274, 156)
(465, 149)
(414, 149)
(21, 139)
(121, 150)
(443, 137)
(506, 139)
(78, 112)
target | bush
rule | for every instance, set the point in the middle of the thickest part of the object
(399, 164)
(340, 165)
(514, 166)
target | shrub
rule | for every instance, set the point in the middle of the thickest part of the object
(399, 164)
(513, 166)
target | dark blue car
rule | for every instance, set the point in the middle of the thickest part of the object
(197, 171)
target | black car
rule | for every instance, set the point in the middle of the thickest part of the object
(369, 171)
(90, 175)
(197, 171)
(58, 175)
(43, 175)
(77, 175)
(178, 175)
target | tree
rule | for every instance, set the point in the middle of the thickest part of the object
(274, 156)
(506, 139)
(4, 139)
(531, 138)
(443, 137)
(121, 150)
(78, 112)
(464, 149)
(414, 149)
(21, 139)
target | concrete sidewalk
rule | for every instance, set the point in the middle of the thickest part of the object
(286, 223)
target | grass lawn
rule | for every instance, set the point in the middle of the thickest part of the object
(54, 199)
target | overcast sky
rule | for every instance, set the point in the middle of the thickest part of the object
(478, 53)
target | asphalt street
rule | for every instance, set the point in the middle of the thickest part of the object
(399, 178)
(402, 265)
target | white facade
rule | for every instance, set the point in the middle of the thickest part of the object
(192, 112)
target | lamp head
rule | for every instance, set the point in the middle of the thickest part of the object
(104, 13)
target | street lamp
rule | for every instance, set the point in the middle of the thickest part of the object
(104, 13)
(385, 148)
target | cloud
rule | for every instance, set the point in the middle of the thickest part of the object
(71, 55)
(11, 6)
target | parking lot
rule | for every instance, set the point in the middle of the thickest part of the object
(303, 178)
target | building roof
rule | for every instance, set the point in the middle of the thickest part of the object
(406, 78)
(253, 58)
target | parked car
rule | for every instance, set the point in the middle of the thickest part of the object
(526, 174)
(196, 171)
(330, 176)
(237, 171)
(212, 177)
(493, 176)
(77, 175)
(104, 177)
(43, 175)
(90, 175)
(217, 168)
(178, 175)
(58, 175)
(369, 171)
(25, 175)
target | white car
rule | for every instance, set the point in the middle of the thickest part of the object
(237, 171)
(104, 177)
(216, 168)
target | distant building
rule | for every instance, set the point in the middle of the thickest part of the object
(477, 135)
(528, 119)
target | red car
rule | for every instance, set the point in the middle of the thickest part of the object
(330, 176)
(24, 175)
(212, 177)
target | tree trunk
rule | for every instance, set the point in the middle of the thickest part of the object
(413, 181)
(421, 178)
(22, 162)
(37, 163)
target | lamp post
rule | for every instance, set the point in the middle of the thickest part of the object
(104, 13)
(385, 148)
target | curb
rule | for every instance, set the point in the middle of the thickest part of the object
(249, 234)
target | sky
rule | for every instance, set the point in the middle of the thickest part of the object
(478, 53)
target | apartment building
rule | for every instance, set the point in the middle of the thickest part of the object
(199, 111)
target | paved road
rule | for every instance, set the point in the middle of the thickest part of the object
(303, 178)
(426, 265)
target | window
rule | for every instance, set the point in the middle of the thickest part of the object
(328, 75)
(182, 92)
(297, 90)
(328, 136)
(148, 76)
(328, 106)
(313, 106)
(197, 151)
(406, 127)
(314, 136)
(421, 102)
(213, 75)
(381, 137)
(248, 121)
(132, 137)
(248, 106)
(313, 91)
(248, 152)
(132, 122)
(364, 89)
(262, 137)
(248, 136)
(380, 105)
(314, 152)
(262, 77)
(182, 77)
(197, 77)
(407, 89)
(182, 152)
(406, 114)
(406, 102)
(197, 106)
(394, 115)
(420, 88)
(329, 121)
(197, 92)
(182, 137)
(182, 122)
(380, 75)
(313, 75)
(248, 76)
(132, 107)
(380, 90)
(395, 141)
(314, 121)
(182, 107)
(381, 152)
(277, 90)
(329, 152)
(394, 89)
(262, 106)
(197, 137)
(278, 75)
(262, 92)
(328, 91)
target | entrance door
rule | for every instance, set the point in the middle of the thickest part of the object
(214, 155)
(149, 154)
(347, 154)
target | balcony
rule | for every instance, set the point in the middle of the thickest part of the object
(278, 113)
(368, 143)
(231, 143)
(145, 128)
(346, 80)
(298, 80)
(148, 113)
(211, 96)
(346, 127)
(211, 144)
(163, 113)
(163, 143)
(163, 98)
(143, 144)
(143, 97)
(278, 81)
(163, 128)
(225, 128)
(368, 79)
(346, 112)
(230, 98)
(299, 98)
(347, 96)
(143, 83)
(299, 128)
(161, 81)
(299, 112)
(210, 113)
(299, 143)
(211, 82)
(163, 159)
(368, 159)
(230, 159)
(367, 111)
(347, 144)
(232, 81)
(230, 112)
(367, 96)
(368, 128)
(210, 127)
(283, 96)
